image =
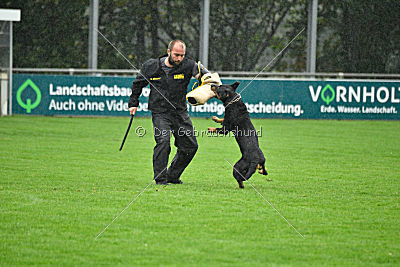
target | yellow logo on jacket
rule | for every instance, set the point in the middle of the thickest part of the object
(179, 76)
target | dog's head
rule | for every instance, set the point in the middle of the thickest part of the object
(225, 92)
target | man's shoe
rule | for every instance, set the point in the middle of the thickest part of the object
(162, 182)
(175, 181)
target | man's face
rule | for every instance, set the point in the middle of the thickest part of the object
(176, 55)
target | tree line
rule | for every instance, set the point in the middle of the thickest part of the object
(353, 35)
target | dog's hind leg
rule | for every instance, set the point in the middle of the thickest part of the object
(250, 171)
(238, 173)
(263, 171)
(238, 177)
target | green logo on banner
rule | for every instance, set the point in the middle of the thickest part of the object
(328, 98)
(29, 105)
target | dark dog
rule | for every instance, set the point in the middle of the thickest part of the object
(237, 120)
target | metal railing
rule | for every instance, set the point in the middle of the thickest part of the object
(223, 74)
(337, 75)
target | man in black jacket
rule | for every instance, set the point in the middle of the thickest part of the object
(169, 77)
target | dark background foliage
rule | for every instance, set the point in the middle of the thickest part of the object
(353, 35)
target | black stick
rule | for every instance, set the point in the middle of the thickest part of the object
(126, 134)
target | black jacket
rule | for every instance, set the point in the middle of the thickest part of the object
(166, 92)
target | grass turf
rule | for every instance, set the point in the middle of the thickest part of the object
(63, 180)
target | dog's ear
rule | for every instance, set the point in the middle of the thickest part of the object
(214, 90)
(235, 85)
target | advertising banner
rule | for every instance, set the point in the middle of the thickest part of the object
(265, 98)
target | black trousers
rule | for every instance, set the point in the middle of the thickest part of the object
(180, 125)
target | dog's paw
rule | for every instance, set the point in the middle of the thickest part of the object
(263, 172)
(218, 120)
(240, 184)
(212, 129)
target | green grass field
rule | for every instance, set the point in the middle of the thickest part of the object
(63, 180)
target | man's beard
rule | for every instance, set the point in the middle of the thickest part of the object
(173, 63)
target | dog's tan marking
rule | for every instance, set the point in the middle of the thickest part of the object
(215, 91)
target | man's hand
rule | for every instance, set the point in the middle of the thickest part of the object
(132, 110)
